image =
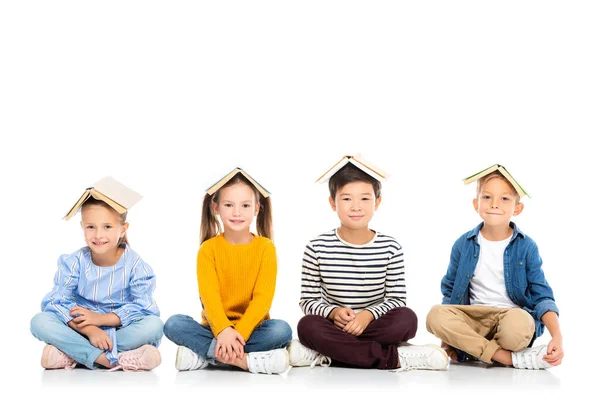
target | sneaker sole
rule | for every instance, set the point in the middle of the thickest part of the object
(45, 356)
(178, 358)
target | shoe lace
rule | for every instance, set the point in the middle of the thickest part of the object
(412, 361)
(129, 361)
(322, 360)
(64, 361)
(315, 358)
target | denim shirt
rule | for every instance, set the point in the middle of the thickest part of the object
(524, 279)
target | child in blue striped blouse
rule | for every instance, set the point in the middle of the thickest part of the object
(100, 311)
(353, 289)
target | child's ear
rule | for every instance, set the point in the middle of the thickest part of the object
(215, 208)
(377, 202)
(256, 208)
(124, 228)
(332, 203)
(476, 205)
(518, 209)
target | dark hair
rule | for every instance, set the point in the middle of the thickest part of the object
(122, 217)
(210, 226)
(348, 174)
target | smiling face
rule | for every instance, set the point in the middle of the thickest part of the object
(237, 206)
(102, 228)
(355, 204)
(497, 202)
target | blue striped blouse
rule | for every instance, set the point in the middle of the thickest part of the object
(124, 289)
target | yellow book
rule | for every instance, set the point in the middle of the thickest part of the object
(358, 161)
(504, 172)
(110, 191)
(219, 184)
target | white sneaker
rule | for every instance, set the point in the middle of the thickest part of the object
(187, 360)
(268, 362)
(530, 358)
(428, 356)
(302, 356)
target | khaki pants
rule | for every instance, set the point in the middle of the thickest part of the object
(479, 330)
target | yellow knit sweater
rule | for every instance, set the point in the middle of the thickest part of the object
(236, 283)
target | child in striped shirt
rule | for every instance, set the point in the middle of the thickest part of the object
(236, 272)
(353, 290)
(100, 311)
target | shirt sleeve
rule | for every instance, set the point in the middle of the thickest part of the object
(61, 299)
(311, 301)
(541, 292)
(395, 285)
(141, 286)
(262, 294)
(210, 292)
(450, 277)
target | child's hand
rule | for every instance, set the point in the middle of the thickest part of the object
(341, 316)
(230, 345)
(100, 339)
(555, 352)
(450, 351)
(357, 326)
(86, 317)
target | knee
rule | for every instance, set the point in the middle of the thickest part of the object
(155, 326)
(284, 331)
(309, 325)
(435, 318)
(39, 324)
(281, 331)
(173, 324)
(517, 330)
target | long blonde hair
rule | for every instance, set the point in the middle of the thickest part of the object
(210, 226)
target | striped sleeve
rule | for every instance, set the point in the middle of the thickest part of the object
(395, 284)
(311, 301)
(141, 286)
(61, 299)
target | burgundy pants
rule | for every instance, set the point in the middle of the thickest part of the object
(376, 347)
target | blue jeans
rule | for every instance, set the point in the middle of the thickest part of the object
(48, 328)
(185, 331)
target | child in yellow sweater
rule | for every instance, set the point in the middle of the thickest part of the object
(236, 271)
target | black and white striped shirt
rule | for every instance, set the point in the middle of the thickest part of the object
(361, 277)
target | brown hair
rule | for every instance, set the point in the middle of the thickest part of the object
(122, 217)
(493, 175)
(210, 226)
(348, 174)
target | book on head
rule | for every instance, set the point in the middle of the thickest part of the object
(219, 184)
(358, 161)
(497, 167)
(112, 192)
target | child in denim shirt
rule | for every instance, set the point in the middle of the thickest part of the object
(496, 300)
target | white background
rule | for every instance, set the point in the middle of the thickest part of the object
(169, 96)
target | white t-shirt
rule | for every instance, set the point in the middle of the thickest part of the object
(487, 286)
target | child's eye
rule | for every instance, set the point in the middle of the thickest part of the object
(486, 197)
(505, 199)
(365, 199)
(246, 205)
(89, 227)
(107, 226)
(227, 205)
(345, 198)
